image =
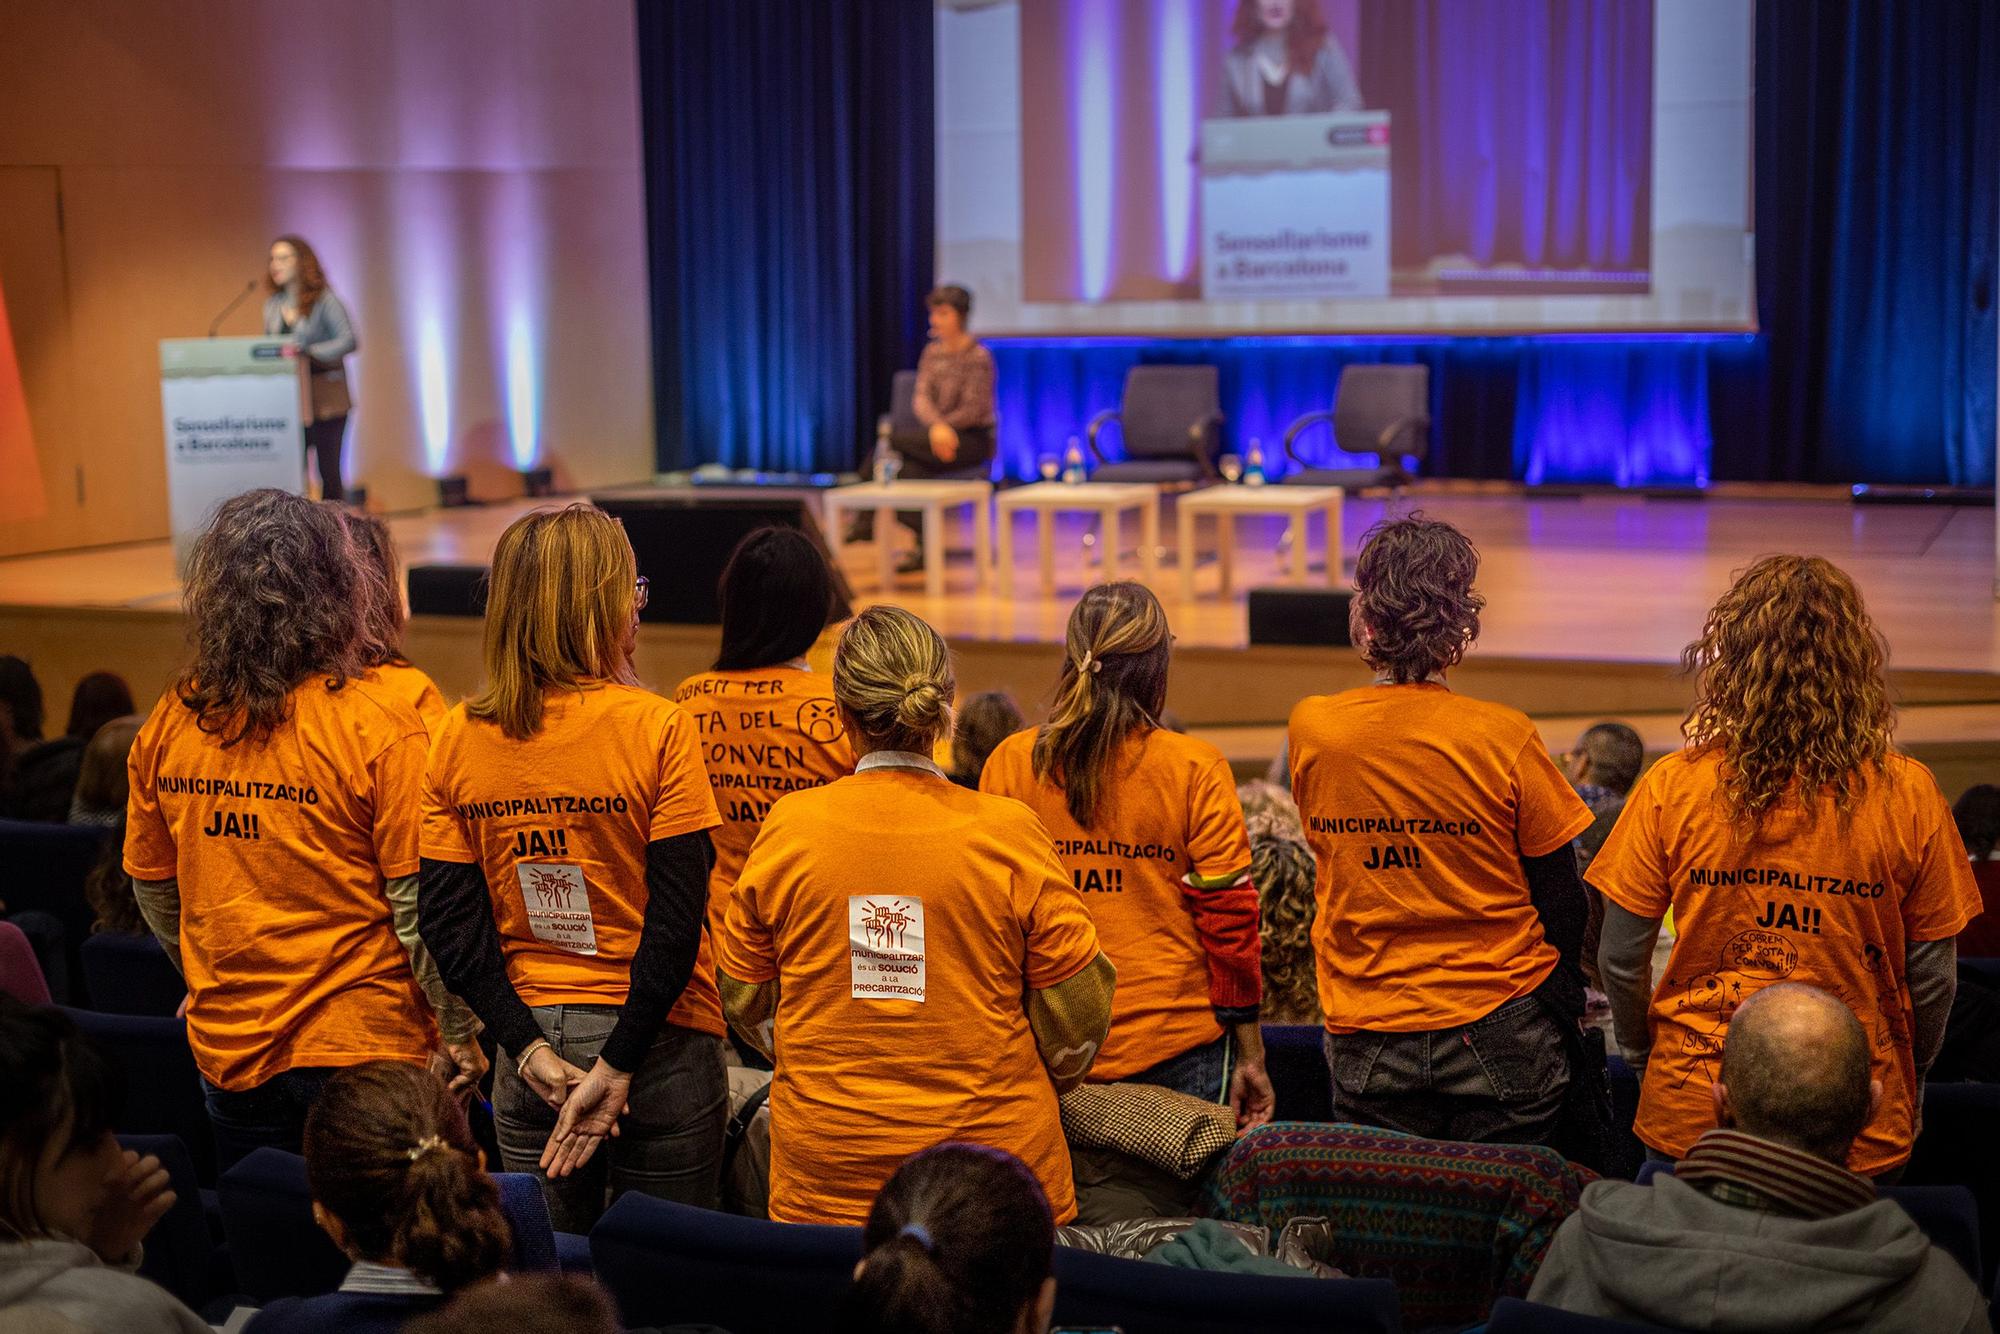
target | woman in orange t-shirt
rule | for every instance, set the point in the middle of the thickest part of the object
(767, 721)
(383, 619)
(565, 875)
(1793, 845)
(1450, 913)
(1147, 824)
(910, 953)
(271, 831)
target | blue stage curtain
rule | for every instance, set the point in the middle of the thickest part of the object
(789, 188)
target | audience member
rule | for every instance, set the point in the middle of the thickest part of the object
(1147, 825)
(20, 721)
(959, 1241)
(74, 1207)
(959, 992)
(1792, 843)
(527, 1304)
(565, 876)
(383, 619)
(1762, 1226)
(984, 721)
(113, 906)
(1602, 766)
(767, 722)
(272, 831)
(102, 785)
(45, 773)
(1282, 868)
(397, 1183)
(1977, 815)
(1450, 913)
(1270, 806)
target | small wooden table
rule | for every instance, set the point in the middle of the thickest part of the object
(1107, 500)
(932, 498)
(1225, 503)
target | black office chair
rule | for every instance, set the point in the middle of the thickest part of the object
(901, 419)
(1170, 420)
(1379, 410)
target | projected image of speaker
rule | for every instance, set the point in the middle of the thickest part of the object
(682, 537)
(1307, 616)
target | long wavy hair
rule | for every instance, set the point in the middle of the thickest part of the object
(1113, 685)
(382, 617)
(1790, 689)
(312, 277)
(273, 599)
(559, 613)
(1303, 36)
(1415, 613)
(1284, 870)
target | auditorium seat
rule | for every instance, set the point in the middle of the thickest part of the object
(47, 865)
(181, 1254)
(127, 974)
(280, 1252)
(1380, 412)
(1955, 1148)
(1140, 1297)
(669, 1263)
(163, 1090)
(20, 972)
(1295, 1058)
(1169, 424)
(1514, 1316)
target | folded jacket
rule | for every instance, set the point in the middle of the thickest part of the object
(1172, 1131)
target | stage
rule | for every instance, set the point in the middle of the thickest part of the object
(1589, 602)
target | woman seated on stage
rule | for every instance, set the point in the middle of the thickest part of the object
(565, 877)
(767, 722)
(1148, 827)
(383, 619)
(272, 831)
(1793, 844)
(912, 953)
(1450, 913)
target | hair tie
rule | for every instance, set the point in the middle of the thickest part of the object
(1089, 664)
(921, 1234)
(425, 1145)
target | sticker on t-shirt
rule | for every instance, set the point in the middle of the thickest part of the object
(558, 903)
(885, 947)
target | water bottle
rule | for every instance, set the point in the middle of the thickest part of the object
(1253, 464)
(1073, 462)
(885, 471)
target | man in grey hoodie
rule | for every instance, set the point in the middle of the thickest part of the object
(1761, 1226)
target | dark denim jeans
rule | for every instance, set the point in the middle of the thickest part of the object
(1200, 1072)
(270, 1116)
(1497, 1080)
(668, 1145)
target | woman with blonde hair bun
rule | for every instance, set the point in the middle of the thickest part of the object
(1148, 827)
(909, 953)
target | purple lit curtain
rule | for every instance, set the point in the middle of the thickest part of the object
(1522, 128)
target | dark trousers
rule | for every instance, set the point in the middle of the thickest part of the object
(668, 1145)
(921, 464)
(324, 440)
(1498, 1080)
(270, 1116)
(1200, 1072)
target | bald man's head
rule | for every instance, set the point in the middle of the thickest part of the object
(1795, 1070)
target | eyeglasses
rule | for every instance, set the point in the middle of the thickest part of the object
(642, 590)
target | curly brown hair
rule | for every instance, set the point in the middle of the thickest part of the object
(1790, 689)
(273, 598)
(382, 618)
(1414, 612)
(1283, 869)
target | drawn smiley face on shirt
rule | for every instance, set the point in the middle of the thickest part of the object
(819, 720)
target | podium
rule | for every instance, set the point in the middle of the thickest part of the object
(1295, 206)
(235, 413)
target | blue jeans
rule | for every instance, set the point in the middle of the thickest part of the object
(1200, 1072)
(270, 1116)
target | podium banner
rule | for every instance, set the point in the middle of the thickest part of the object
(234, 418)
(1295, 206)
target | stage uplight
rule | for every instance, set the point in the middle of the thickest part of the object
(453, 491)
(538, 483)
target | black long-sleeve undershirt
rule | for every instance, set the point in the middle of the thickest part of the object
(1556, 892)
(455, 918)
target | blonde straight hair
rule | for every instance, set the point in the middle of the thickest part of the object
(892, 673)
(561, 600)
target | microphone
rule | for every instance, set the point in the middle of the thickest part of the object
(224, 313)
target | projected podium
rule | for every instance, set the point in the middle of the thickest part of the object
(235, 410)
(1295, 206)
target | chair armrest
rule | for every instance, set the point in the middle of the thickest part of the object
(1304, 423)
(1205, 441)
(1097, 424)
(1385, 443)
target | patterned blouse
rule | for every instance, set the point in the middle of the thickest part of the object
(955, 387)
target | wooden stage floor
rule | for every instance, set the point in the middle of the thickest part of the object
(1589, 603)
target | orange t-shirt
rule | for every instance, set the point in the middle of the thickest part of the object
(1169, 809)
(414, 688)
(763, 733)
(282, 849)
(559, 823)
(1419, 805)
(905, 920)
(1830, 903)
